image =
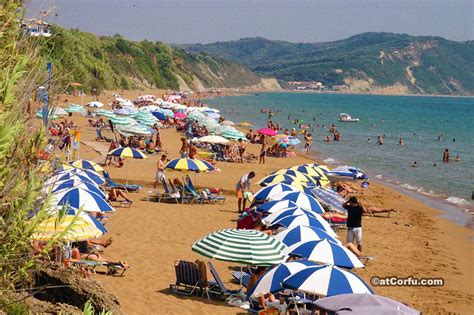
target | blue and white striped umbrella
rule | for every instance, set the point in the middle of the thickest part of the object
(275, 205)
(329, 197)
(302, 233)
(77, 183)
(267, 192)
(277, 215)
(271, 281)
(62, 176)
(346, 173)
(81, 199)
(303, 200)
(296, 220)
(325, 252)
(326, 280)
(91, 175)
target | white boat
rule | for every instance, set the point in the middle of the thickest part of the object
(343, 117)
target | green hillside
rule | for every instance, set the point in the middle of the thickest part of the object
(363, 63)
(114, 62)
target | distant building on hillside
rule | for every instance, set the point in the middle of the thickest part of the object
(305, 85)
(36, 28)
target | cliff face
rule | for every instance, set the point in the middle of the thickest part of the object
(369, 62)
(114, 62)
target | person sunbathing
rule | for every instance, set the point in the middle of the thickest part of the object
(253, 281)
(115, 194)
(82, 251)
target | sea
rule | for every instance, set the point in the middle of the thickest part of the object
(427, 125)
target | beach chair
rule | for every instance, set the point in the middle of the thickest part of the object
(191, 278)
(185, 198)
(219, 282)
(191, 193)
(126, 187)
(168, 195)
(241, 277)
(206, 193)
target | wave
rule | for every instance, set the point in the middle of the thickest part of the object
(457, 201)
(329, 160)
(379, 176)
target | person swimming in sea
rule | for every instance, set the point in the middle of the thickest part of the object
(414, 164)
(458, 158)
(400, 142)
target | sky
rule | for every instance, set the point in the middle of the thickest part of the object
(201, 21)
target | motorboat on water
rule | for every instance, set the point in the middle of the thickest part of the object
(343, 117)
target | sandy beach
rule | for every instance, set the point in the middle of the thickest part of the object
(150, 236)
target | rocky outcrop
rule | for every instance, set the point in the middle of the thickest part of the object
(68, 286)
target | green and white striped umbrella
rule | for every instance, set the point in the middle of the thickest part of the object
(120, 120)
(248, 247)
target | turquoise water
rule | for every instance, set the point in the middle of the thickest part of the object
(418, 120)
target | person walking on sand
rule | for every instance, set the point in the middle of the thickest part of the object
(242, 188)
(263, 150)
(184, 148)
(446, 156)
(160, 168)
(241, 148)
(354, 221)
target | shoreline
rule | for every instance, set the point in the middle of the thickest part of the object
(438, 201)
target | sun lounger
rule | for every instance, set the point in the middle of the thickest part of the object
(121, 204)
(126, 187)
(206, 195)
(191, 278)
(168, 195)
(219, 282)
(241, 277)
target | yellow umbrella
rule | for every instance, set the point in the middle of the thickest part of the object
(75, 226)
(297, 175)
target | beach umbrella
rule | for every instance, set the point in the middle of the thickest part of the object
(76, 183)
(277, 178)
(119, 120)
(275, 205)
(228, 123)
(159, 115)
(326, 280)
(213, 139)
(298, 175)
(290, 140)
(306, 169)
(326, 252)
(62, 176)
(74, 109)
(87, 165)
(127, 152)
(91, 175)
(268, 191)
(180, 115)
(346, 173)
(303, 200)
(329, 197)
(149, 108)
(248, 247)
(371, 304)
(321, 169)
(314, 221)
(81, 199)
(280, 214)
(95, 104)
(78, 226)
(267, 132)
(193, 165)
(106, 113)
(271, 281)
(302, 233)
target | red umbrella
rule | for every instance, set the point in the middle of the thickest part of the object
(267, 132)
(180, 115)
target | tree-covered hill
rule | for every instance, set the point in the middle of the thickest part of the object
(362, 63)
(114, 62)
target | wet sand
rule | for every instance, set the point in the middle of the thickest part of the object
(151, 236)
